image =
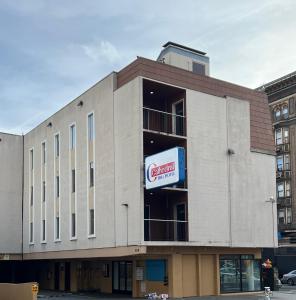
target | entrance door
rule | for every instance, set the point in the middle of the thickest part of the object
(122, 277)
(67, 276)
(178, 117)
(181, 226)
(57, 276)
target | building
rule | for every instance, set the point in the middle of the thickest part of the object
(282, 102)
(91, 219)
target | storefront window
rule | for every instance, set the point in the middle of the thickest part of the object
(239, 273)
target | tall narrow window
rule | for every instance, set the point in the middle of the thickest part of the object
(43, 191)
(288, 189)
(280, 190)
(286, 135)
(43, 153)
(31, 232)
(289, 215)
(57, 228)
(278, 136)
(287, 161)
(281, 216)
(279, 162)
(57, 145)
(277, 114)
(43, 230)
(73, 225)
(57, 186)
(91, 221)
(32, 196)
(91, 174)
(72, 137)
(73, 181)
(90, 127)
(285, 111)
(32, 159)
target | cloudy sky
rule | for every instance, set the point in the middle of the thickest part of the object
(52, 50)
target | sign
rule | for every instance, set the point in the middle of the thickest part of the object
(165, 168)
(139, 273)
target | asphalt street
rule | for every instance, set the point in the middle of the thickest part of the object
(286, 293)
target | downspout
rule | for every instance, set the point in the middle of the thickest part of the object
(23, 173)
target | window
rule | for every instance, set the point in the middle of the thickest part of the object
(280, 162)
(277, 114)
(281, 216)
(73, 225)
(32, 159)
(73, 181)
(72, 137)
(57, 186)
(280, 190)
(278, 136)
(57, 145)
(239, 273)
(286, 135)
(43, 230)
(287, 161)
(91, 174)
(43, 153)
(31, 232)
(32, 196)
(288, 189)
(106, 270)
(57, 228)
(91, 222)
(43, 191)
(198, 68)
(90, 127)
(289, 215)
(285, 111)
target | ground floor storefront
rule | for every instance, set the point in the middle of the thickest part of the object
(176, 271)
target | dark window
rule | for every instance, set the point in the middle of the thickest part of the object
(73, 181)
(57, 186)
(43, 153)
(239, 273)
(73, 221)
(32, 159)
(43, 191)
(32, 196)
(91, 221)
(90, 127)
(72, 137)
(57, 228)
(57, 145)
(31, 232)
(106, 270)
(198, 68)
(43, 230)
(91, 174)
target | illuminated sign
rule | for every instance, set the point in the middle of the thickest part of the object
(165, 168)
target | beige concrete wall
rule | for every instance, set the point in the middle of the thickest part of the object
(128, 163)
(21, 291)
(10, 194)
(99, 100)
(227, 194)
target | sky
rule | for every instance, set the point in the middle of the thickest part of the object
(51, 51)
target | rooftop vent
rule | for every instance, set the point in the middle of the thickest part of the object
(185, 58)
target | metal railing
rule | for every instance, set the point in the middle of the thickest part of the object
(161, 121)
(165, 230)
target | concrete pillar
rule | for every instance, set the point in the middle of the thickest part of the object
(175, 276)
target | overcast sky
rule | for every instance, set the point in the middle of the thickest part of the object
(53, 50)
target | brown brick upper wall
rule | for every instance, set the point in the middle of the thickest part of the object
(262, 138)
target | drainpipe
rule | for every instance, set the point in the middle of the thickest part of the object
(23, 173)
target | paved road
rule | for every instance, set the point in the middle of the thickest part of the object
(286, 293)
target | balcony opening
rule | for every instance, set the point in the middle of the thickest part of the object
(165, 216)
(164, 108)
